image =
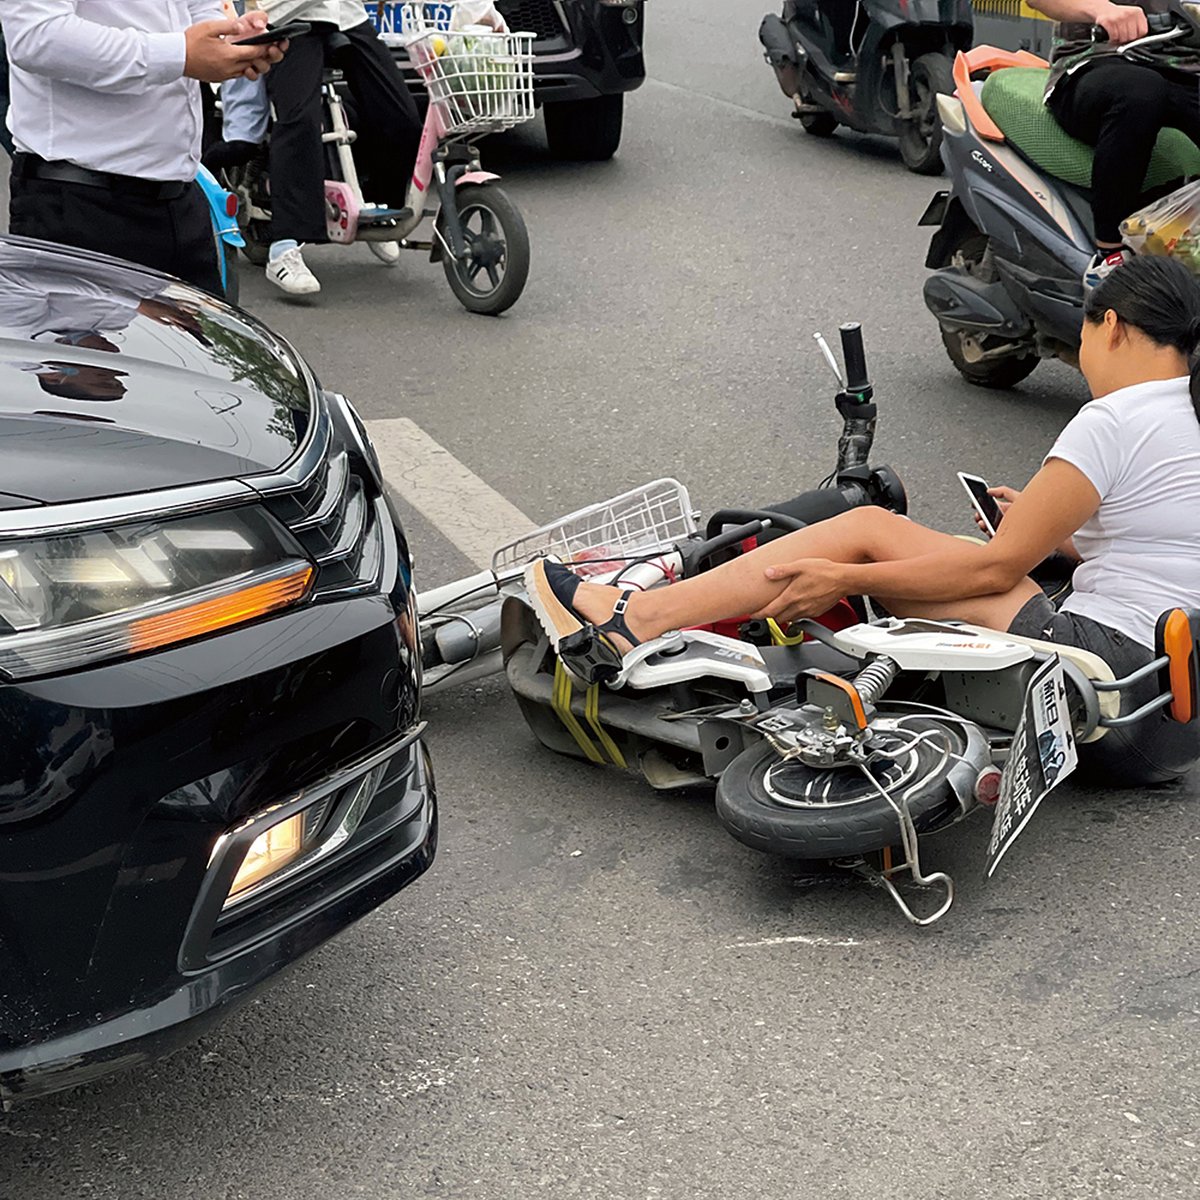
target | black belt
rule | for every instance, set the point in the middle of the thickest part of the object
(30, 166)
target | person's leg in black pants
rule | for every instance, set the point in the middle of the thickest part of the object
(297, 163)
(173, 236)
(1120, 108)
(387, 123)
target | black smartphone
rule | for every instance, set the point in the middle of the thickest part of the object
(981, 502)
(268, 37)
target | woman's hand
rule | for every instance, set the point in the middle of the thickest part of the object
(814, 586)
(1004, 497)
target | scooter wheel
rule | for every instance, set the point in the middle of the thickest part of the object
(491, 275)
(930, 75)
(787, 808)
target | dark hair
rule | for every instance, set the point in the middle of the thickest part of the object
(1159, 296)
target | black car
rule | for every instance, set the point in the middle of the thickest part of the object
(210, 746)
(587, 55)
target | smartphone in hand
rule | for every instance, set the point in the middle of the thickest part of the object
(269, 37)
(985, 505)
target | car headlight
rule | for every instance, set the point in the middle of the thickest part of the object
(70, 600)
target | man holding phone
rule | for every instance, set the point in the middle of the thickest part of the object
(105, 113)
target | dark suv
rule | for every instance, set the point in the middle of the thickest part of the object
(587, 55)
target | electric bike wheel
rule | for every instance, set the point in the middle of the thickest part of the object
(782, 806)
(921, 137)
(968, 252)
(497, 249)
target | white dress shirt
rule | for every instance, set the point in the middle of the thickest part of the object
(99, 83)
(345, 14)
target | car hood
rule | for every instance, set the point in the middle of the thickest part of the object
(116, 380)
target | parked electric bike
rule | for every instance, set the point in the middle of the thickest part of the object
(1014, 231)
(227, 234)
(479, 82)
(846, 739)
(874, 67)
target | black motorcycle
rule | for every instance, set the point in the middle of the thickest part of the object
(876, 68)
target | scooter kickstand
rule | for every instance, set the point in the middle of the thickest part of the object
(911, 863)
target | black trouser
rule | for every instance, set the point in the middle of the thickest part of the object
(386, 122)
(174, 236)
(1119, 108)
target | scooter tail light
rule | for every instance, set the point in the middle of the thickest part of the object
(231, 205)
(987, 785)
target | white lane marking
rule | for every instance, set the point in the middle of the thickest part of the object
(475, 517)
(798, 939)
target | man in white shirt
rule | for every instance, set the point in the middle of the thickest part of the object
(106, 117)
(386, 122)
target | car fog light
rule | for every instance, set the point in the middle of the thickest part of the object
(271, 851)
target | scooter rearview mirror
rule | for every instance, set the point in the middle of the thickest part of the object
(833, 362)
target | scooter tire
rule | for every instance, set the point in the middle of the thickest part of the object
(931, 75)
(820, 125)
(508, 217)
(825, 831)
(996, 373)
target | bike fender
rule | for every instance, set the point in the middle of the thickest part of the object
(475, 177)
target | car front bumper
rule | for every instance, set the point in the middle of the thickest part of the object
(120, 785)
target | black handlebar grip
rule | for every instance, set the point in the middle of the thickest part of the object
(855, 356)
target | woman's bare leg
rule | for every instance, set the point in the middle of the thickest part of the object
(862, 535)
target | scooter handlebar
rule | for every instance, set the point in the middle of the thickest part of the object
(855, 357)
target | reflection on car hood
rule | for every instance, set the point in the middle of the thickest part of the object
(116, 380)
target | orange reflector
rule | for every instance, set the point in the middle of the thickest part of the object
(1179, 648)
(844, 685)
(210, 615)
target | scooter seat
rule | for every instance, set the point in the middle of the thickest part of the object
(1014, 99)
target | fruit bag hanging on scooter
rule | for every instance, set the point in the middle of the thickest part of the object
(1169, 227)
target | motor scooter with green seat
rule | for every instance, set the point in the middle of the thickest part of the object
(1013, 233)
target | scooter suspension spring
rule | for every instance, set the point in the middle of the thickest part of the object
(875, 679)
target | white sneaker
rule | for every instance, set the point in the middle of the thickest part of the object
(289, 272)
(1103, 265)
(388, 253)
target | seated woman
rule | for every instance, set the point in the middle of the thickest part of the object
(1118, 491)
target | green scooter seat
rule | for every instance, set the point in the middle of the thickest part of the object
(1013, 99)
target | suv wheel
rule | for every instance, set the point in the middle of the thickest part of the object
(586, 130)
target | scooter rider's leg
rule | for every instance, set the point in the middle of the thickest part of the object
(297, 165)
(741, 586)
(1120, 108)
(389, 126)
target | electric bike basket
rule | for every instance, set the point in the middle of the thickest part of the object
(479, 80)
(640, 524)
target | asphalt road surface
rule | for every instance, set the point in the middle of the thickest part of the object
(596, 992)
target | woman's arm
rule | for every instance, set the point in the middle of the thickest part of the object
(1058, 500)
(1122, 22)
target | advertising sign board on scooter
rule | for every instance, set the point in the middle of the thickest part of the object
(1043, 754)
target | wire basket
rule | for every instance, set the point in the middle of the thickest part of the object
(480, 81)
(649, 520)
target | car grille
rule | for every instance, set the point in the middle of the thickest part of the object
(335, 516)
(539, 17)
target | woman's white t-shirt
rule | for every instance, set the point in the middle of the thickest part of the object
(1140, 449)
